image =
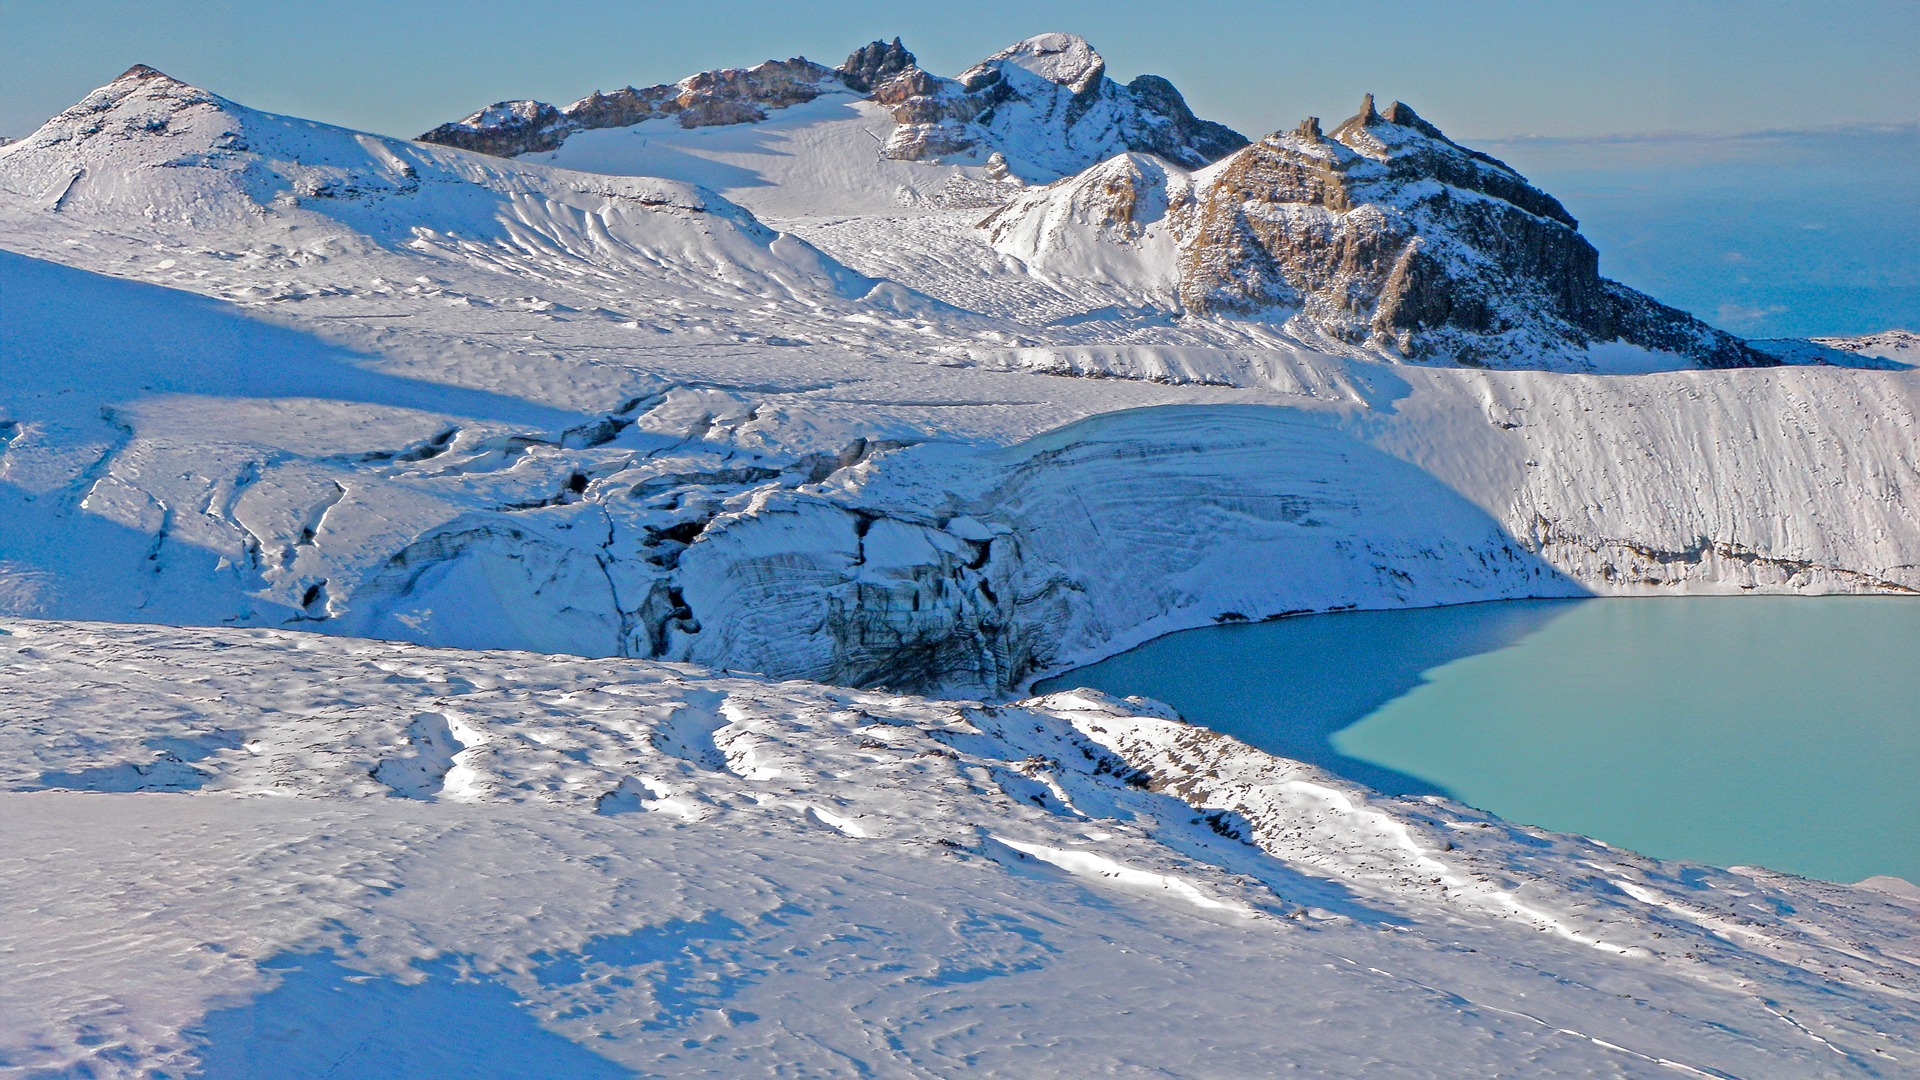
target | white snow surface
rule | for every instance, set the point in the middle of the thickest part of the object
(278, 853)
(264, 376)
(430, 395)
(1060, 58)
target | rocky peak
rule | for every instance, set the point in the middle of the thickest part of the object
(1062, 59)
(143, 81)
(141, 102)
(710, 98)
(875, 63)
(505, 128)
(1412, 149)
(1388, 237)
(1045, 104)
(142, 71)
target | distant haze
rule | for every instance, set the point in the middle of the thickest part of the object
(1808, 233)
(1782, 234)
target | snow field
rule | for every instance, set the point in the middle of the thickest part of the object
(689, 875)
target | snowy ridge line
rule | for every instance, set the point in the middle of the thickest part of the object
(262, 373)
(1042, 106)
(1072, 788)
(705, 513)
(1430, 846)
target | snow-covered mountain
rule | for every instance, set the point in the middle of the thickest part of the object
(742, 385)
(519, 406)
(1384, 236)
(1891, 349)
(1042, 108)
(183, 166)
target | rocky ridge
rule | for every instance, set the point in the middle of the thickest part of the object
(1383, 237)
(1045, 104)
(725, 96)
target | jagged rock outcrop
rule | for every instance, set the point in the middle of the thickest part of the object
(506, 128)
(1045, 104)
(1388, 235)
(725, 96)
(875, 63)
(1384, 237)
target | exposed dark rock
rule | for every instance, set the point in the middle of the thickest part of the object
(142, 71)
(875, 63)
(1045, 104)
(726, 96)
(1186, 135)
(1389, 236)
(505, 129)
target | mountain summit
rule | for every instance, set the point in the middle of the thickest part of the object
(1044, 104)
(1384, 237)
(1048, 106)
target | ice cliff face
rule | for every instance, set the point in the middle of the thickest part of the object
(1385, 237)
(1045, 105)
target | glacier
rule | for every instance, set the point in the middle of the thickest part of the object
(609, 575)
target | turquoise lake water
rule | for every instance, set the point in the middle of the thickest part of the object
(1781, 732)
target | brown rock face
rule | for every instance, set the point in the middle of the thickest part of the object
(1045, 104)
(875, 63)
(1389, 236)
(727, 96)
(506, 128)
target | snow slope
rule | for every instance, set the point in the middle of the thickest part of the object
(380, 859)
(652, 503)
(433, 396)
(266, 377)
(1383, 238)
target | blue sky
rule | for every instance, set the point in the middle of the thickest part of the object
(1483, 69)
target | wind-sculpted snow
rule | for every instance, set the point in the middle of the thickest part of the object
(270, 198)
(262, 373)
(660, 870)
(897, 524)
